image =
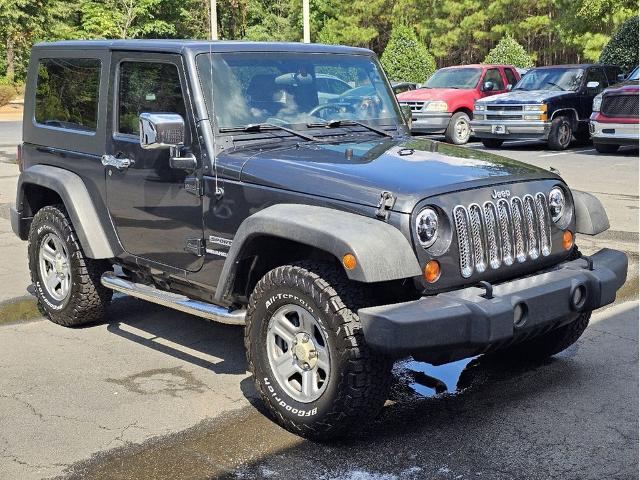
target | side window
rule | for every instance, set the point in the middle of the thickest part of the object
(338, 87)
(67, 93)
(493, 75)
(597, 75)
(511, 78)
(147, 87)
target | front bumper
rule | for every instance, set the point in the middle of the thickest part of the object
(537, 130)
(614, 133)
(453, 325)
(429, 122)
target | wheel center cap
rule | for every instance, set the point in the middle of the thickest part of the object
(304, 351)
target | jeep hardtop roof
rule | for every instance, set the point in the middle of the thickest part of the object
(198, 46)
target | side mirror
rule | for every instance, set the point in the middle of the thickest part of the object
(509, 86)
(166, 130)
(487, 86)
(161, 130)
(621, 77)
(592, 85)
(406, 113)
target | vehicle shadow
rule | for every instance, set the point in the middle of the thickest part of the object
(185, 337)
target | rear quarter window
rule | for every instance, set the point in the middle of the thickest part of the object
(67, 93)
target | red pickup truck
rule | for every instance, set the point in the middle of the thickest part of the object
(445, 103)
(615, 117)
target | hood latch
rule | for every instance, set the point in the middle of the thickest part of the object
(387, 200)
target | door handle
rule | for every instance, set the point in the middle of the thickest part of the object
(119, 163)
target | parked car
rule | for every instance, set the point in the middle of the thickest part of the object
(548, 103)
(401, 87)
(330, 87)
(445, 103)
(336, 239)
(615, 117)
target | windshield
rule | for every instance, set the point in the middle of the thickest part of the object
(568, 79)
(455, 78)
(633, 75)
(293, 89)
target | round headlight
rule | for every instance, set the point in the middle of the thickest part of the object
(427, 227)
(557, 203)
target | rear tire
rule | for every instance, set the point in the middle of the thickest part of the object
(606, 147)
(492, 142)
(67, 283)
(459, 129)
(348, 383)
(560, 134)
(550, 343)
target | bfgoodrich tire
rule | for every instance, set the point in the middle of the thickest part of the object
(67, 283)
(550, 343)
(312, 307)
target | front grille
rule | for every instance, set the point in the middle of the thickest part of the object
(620, 106)
(502, 233)
(505, 108)
(415, 106)
(504, 117)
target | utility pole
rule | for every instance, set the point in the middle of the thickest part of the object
(305, 21)
(214, 20)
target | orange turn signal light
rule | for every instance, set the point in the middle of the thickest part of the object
(567, 240)
(432, 271)
(349, 261)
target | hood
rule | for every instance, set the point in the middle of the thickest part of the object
(422, 94)
(631, 86)
(358, 172)
(525, 96)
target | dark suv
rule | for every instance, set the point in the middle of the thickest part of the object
(212, 179)
(548, 103)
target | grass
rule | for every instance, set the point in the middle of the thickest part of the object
(19, 310)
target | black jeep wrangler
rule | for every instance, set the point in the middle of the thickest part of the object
(548, 103)
(215, 179)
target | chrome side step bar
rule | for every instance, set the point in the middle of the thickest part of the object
(173, 300)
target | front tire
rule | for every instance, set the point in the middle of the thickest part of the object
(459, 129)
(67, 283)
(550, 343)
(307, 353)
(492, 142)
(560, 133)
(606, 147)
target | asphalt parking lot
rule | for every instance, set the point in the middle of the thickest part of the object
(152, 393)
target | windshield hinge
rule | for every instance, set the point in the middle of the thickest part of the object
(194, 186)
(195, 246)
(387, 200)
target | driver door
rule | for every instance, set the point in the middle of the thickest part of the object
(155, 217)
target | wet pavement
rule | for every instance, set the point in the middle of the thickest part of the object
(574, 416)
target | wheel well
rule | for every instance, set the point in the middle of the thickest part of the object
(573, 116)
(36, 197)
(264, 253)
(465, 110)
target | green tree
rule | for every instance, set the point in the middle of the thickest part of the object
(406, 58)
(623, 48)
(509, 52)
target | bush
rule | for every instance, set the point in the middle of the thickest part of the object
(509, 52)
(622, 49)
(405, 58)
(7, 93)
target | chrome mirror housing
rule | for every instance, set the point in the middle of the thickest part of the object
(161, 130)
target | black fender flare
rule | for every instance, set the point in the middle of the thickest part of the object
(75, 196)
(383, 253)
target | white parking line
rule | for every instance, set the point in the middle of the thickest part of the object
(567, 152)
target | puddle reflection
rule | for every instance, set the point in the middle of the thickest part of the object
(428, 380)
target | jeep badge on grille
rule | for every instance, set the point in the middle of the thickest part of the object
(500, 194)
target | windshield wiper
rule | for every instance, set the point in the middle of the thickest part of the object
(258, 127)
(339, 123)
